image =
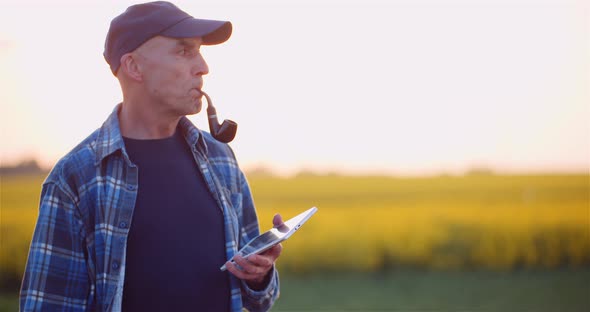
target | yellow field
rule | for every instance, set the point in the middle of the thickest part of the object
(19, 198)
(378, 223)
(372, 223)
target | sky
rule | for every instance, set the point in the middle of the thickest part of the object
(388, 87)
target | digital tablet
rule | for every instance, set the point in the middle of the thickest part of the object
(275, 235)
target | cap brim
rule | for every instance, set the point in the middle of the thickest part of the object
(212, 32)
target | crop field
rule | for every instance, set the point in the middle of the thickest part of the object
(472, 222)
(373, 226)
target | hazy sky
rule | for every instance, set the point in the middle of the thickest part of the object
(403, 87)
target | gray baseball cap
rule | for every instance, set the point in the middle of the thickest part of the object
(141, 22)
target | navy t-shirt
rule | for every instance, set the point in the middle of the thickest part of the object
(176, 241)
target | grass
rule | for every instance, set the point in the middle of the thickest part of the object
(8, 302)
(555, 290)
(558, 290)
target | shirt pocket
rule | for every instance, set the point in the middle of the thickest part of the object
(232, 210)
(236, 202)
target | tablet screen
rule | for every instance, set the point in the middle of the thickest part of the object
(268, 238)
(275, 235)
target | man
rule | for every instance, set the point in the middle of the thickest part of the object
(141, 215)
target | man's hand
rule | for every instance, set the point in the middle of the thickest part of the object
(255, 268)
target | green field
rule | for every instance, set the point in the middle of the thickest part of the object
(559, 290)
(445, 243)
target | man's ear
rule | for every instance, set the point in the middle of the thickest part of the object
(130, 67)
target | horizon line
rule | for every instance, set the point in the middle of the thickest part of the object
(33, 165)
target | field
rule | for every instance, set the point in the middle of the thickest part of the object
(437, 291)
(558, 290)
(390, 242)
(377, 223)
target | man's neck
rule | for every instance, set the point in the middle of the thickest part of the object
(141, 123)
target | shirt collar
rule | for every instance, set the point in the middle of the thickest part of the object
(110, 140)
(192, 134)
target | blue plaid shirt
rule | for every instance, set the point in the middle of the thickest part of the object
(77, 255)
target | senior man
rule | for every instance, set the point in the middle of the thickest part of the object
(141, 214)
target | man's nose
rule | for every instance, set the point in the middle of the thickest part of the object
(200, 66)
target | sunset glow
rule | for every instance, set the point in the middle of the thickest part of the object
(398, 87)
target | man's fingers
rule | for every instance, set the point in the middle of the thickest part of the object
(260, 260)
(247, 266)
(233, 269)
(277, 220)
(274, 252)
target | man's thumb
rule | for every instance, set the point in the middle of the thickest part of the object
(277, 220)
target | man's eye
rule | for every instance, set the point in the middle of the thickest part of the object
(189, 52)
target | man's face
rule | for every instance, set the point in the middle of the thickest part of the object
(172, 71)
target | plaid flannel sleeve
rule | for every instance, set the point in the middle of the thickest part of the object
(256, 300)
(56, 276)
